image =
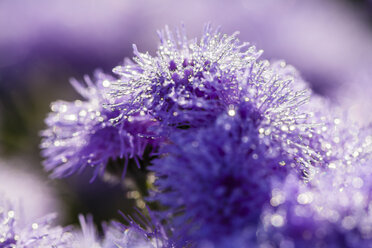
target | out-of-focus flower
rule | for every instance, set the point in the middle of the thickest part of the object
(331, 210)
(16, 232)
(335, 137)
(22, 186)
(82, 133)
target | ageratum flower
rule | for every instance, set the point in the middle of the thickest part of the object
(82, 133)
(214, 182)
(190, 82)
(14, 232)
(331, 210)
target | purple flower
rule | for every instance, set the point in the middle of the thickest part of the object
(15, 232)
(83, 133)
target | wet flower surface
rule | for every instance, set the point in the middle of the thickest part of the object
(82, 133)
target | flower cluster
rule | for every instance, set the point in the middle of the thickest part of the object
(245, 154)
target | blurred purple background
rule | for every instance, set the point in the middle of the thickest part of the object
(45, 43)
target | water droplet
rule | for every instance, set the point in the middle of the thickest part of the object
(82, 113)
(11, 214)
(282, 163)
(332, 166)
(357, 182)
(70, 117)
(305, 198)
(284, 128)
(63, 108)
(348, 222)
(277, 220)
(35, 226)
(106, 83)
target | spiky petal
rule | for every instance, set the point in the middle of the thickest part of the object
(82, 134)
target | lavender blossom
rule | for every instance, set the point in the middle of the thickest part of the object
(82, 133)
